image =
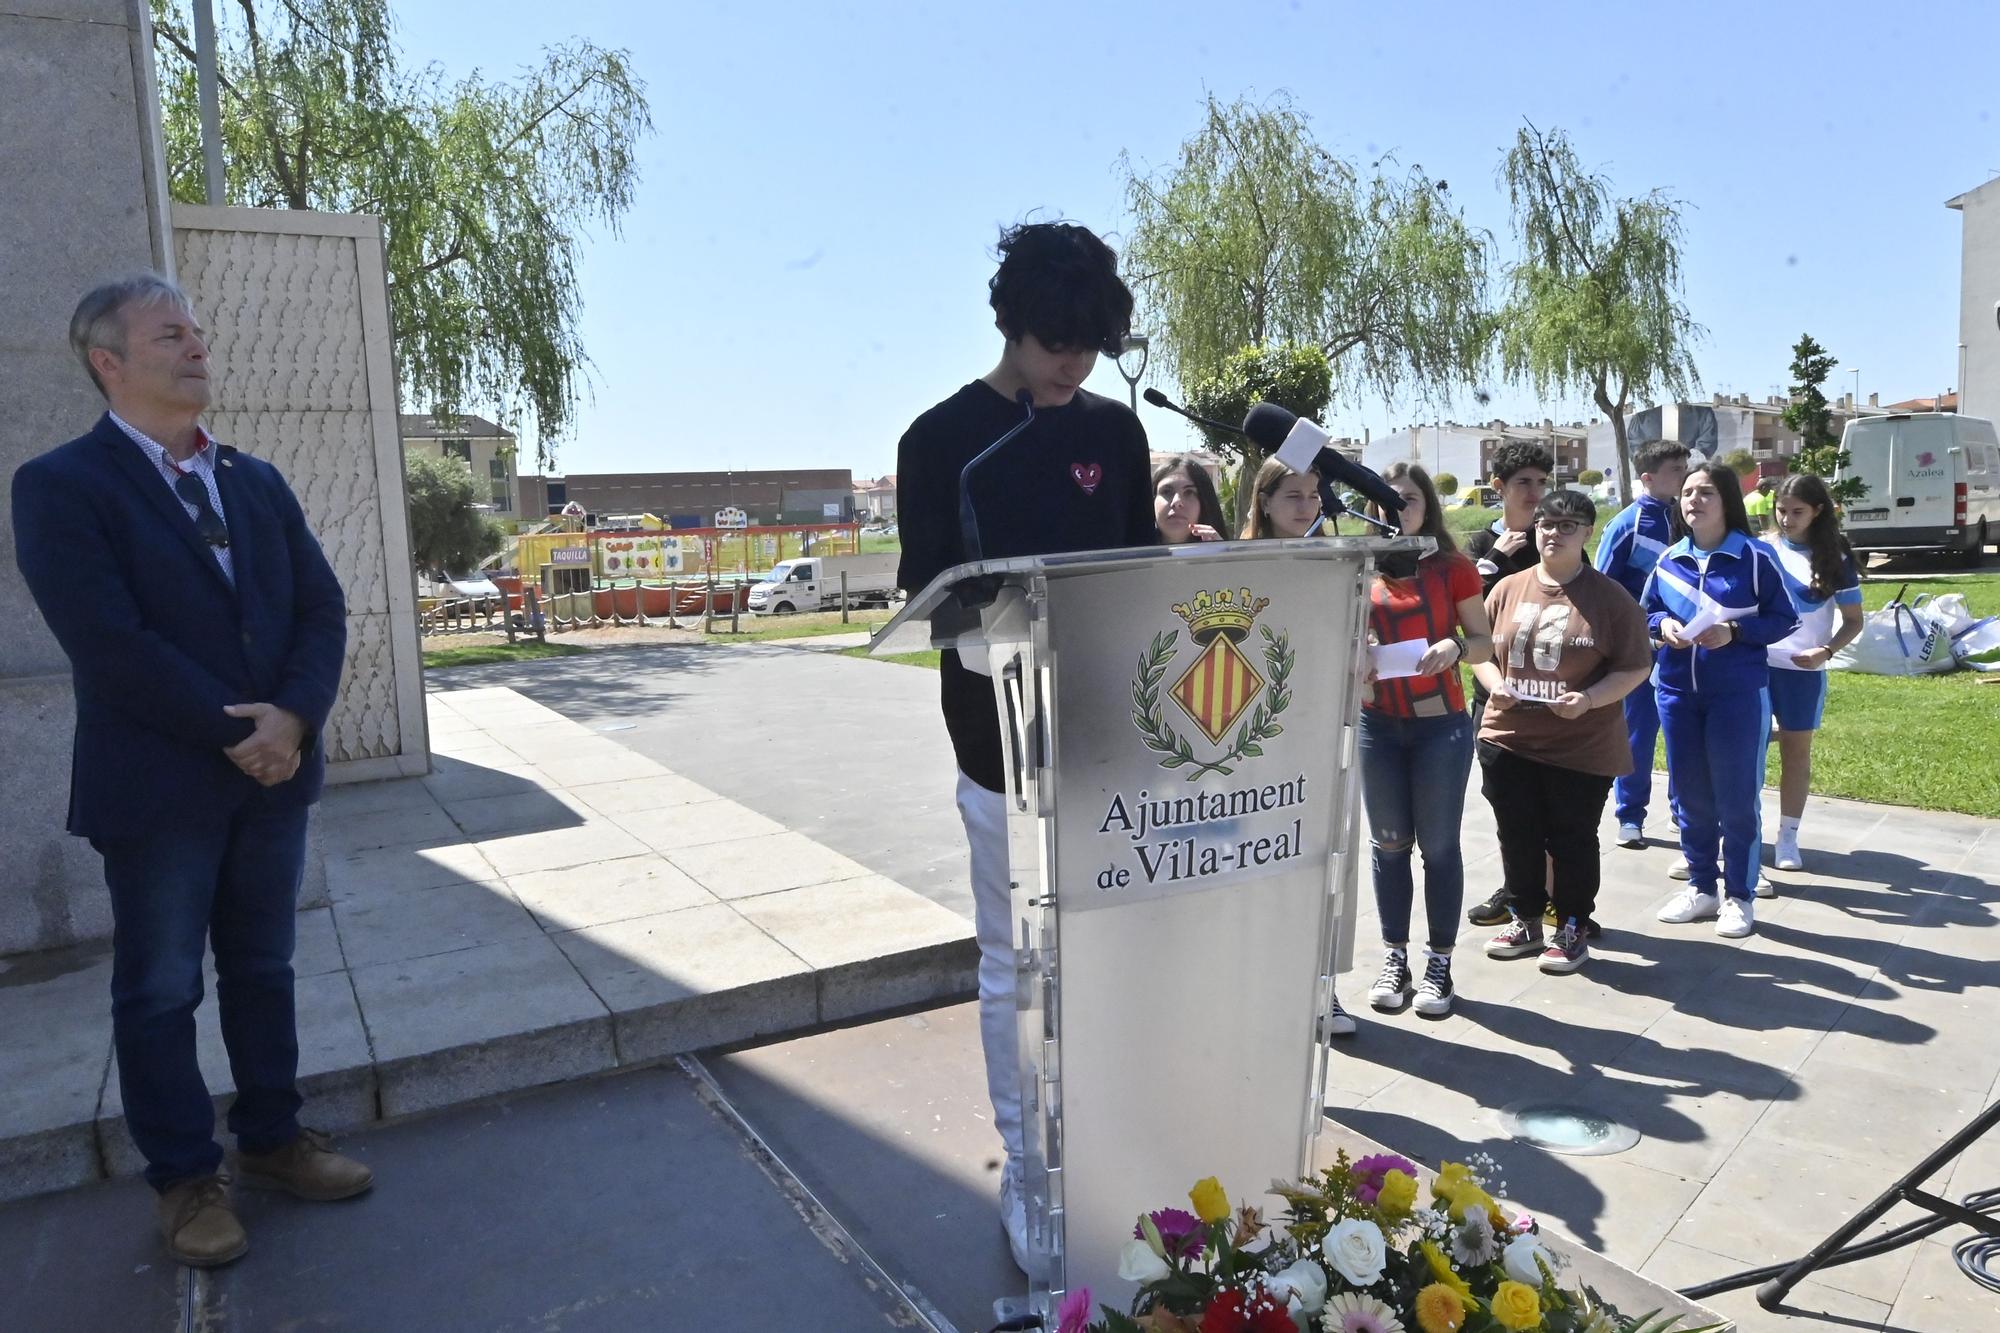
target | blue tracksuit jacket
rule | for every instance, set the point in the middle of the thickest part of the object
(1739, 574)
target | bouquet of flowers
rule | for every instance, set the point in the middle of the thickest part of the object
(1356, 1251)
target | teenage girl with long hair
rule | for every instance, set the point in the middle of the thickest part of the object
(1820, 574)
(1416, 744)
(1185, 505)
(1716, 603)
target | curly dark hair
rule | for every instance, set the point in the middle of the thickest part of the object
(1514, 455)
(1059, 282)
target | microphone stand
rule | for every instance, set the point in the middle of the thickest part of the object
(968, 521)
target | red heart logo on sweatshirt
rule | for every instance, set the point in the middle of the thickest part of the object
(1087, 476)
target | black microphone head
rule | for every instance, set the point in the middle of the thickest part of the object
(1158, 399)
(1267, 425)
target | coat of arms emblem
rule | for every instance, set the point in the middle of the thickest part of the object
(1221, 690)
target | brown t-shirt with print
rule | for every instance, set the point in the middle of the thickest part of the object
(1550, 639)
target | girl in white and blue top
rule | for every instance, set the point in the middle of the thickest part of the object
(1716, 602)
(1820, 574)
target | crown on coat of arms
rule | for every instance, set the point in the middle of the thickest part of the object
(1221, 612)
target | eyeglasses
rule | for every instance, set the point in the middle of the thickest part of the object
(206, 521)
(1566, 527)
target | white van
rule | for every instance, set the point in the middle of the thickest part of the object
(1933, 483)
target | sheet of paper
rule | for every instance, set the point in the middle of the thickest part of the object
(1397, 659)
(1707, 615)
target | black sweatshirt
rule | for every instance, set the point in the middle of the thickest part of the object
(1078, 479)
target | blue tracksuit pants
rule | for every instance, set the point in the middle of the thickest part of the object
(1715, 751)
(1632, 793)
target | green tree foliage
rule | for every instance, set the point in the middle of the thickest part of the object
(1819, 448)
(1292, 375)
(1446, 483)
(448, 533)
(486, 186)
(1740, 462)
(1257, 237)
(1590, 476)
(1594, 298)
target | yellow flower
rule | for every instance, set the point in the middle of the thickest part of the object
(1398, 1193)
(1517, 1306)
(1210, 1203)
(1451, 1177)
(1439, 1309)
(1441, 1269)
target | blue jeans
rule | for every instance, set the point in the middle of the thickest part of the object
(1715, 750)
(1413, 774)
(232, 882)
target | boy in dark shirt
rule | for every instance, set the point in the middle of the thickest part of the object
(1078, 479)
(1521, 473)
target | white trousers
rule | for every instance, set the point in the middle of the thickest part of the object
(985, 816)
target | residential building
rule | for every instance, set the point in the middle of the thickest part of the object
(1466, 452)
(488, 449)
(1979, 300)
(876, 499)
(692, 499)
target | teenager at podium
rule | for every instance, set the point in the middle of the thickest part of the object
(1077, 478)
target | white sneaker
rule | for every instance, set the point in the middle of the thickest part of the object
(1014, 1216)
(1679, 869)
(1788, 857)
(1690, 904)
(1762, 886)
(1339, 1023)
(1737, 918)
(1631, 835)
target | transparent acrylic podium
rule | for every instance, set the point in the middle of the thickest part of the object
(1183, 832)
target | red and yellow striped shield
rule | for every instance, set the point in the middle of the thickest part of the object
(1218, 688)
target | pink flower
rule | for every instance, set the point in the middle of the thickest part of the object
(1367, 1173)
(1181, 1232)
(1073, 1315)
(1524, 1223)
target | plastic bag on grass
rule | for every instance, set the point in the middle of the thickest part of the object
(1898, 640)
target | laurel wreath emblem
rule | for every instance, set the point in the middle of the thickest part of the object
(1260, 726)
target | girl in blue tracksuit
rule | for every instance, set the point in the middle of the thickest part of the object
(1714, 692)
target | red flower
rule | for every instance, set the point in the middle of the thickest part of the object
(1237, 1312)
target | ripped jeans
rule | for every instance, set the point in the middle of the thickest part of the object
(1413, 776)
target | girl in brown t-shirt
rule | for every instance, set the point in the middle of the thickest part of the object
(1569, 644)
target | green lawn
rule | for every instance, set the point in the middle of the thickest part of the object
(444, 659)
(927, 658)
(805, 625)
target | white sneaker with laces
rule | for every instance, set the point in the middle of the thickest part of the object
(1788, 857)
(1014, 1216)
(1690, 904)
(1737, 918)
(1631, 835)
(1339, 1023)
(1679, 869)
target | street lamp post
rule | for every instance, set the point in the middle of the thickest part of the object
(1856, 404)
(1140, 343)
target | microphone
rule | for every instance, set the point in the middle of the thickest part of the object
(1158, 399)
(1332, 507)
(968, 522)
(1272, 428)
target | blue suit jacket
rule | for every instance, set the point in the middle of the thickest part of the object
(158, 640)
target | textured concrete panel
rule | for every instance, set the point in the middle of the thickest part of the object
(51, 887)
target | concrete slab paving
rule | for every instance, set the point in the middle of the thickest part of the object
(441, 970)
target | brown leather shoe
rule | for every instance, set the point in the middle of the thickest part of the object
(306, 1168)
(200, 1227)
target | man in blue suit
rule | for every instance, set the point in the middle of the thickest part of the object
(205, 633)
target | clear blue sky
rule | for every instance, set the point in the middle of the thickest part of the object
(804, 269)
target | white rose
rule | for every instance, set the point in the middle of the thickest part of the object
(1302, 1286)
(1138, 1263)
(1356, 1250)
(1519, 1260)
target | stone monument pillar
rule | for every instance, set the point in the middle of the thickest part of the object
(82, 198)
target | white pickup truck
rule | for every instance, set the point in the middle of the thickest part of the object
(812, 583)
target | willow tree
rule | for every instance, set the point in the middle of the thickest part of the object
(486, 186)
(1594, 299)
(1258, 236)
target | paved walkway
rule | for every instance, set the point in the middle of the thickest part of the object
(546, 904)
(1779, 1082)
